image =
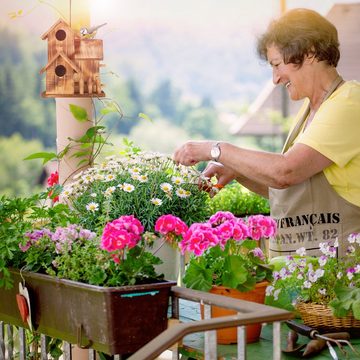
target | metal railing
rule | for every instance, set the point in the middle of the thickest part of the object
(247, 313)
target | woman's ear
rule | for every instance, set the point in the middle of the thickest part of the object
(310, 56)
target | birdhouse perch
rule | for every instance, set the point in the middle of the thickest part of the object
(73, 67)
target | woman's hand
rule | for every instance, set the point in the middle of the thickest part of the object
(193, 152)
(223, 174)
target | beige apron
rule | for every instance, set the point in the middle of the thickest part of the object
(311, 213)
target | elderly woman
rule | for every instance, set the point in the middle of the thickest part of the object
(314, 184)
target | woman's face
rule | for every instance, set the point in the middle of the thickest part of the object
(289, 75)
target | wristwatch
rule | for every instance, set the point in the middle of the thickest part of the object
(215, 151)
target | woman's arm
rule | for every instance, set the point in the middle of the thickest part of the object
(264, 169)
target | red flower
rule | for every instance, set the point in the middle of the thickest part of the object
(53, 179)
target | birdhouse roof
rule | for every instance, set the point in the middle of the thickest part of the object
(61, 53)
(60, 21)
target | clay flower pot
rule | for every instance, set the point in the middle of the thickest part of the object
(229, 335)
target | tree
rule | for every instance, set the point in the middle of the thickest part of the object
(166, 99)
(19, 177)
(21, 108)
(159, 135)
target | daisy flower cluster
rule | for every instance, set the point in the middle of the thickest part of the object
(226, 250)
(316, 279)
(146, 185)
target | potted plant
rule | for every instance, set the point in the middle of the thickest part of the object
(144, 184)
(90, 260)
(240, 201)
(226, 259)
(324, 290)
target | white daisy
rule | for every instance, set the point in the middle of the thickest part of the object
(177, 180)
(128, 187)
(143, 178)
(92, 206)
(109, 177)
(182, 193)
(109, 191)
(166, 187)
(87, 178)
(156, 201)
(134, 171)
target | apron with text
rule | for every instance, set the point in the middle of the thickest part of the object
(311, 213)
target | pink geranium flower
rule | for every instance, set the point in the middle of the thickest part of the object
(166, 224)
(121, 233)
(220, 217)
(261, 226)
(198, 239)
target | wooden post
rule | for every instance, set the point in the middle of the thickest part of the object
(66, 125)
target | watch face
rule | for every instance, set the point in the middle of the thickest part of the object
(215, 152)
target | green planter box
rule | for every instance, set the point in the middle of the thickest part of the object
(115, 320)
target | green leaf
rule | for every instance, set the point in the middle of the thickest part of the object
(197, 277)
(235, 272)
(46, 156)
(145, 117)
(91, 132)
(79, 154)
(79, 113)
(111, 107)
(356, 309)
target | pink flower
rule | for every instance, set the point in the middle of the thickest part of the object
(121, 233)
(225, 230)
(220, 217)
(261, 226)
(241, 230)
(198, 239)
(166, 224)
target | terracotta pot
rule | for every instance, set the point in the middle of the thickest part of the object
(229, 335)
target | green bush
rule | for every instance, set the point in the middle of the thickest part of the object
(239, 200)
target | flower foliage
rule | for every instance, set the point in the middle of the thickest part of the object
(116, 258)
(146, 185)
(325, 280)
(22, 215)
(225, 251)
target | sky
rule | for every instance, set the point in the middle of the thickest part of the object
(249, 15)
(223, 33)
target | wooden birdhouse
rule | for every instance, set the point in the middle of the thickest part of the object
(73, 67)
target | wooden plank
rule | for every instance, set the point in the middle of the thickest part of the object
(22, 344)
(10, 342)
(2, 341)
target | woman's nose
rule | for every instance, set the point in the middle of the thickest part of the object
(276, 77)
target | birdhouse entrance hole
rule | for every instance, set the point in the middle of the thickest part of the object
(60, 70)
(60, 35)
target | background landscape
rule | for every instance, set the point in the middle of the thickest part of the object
(185, 64)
